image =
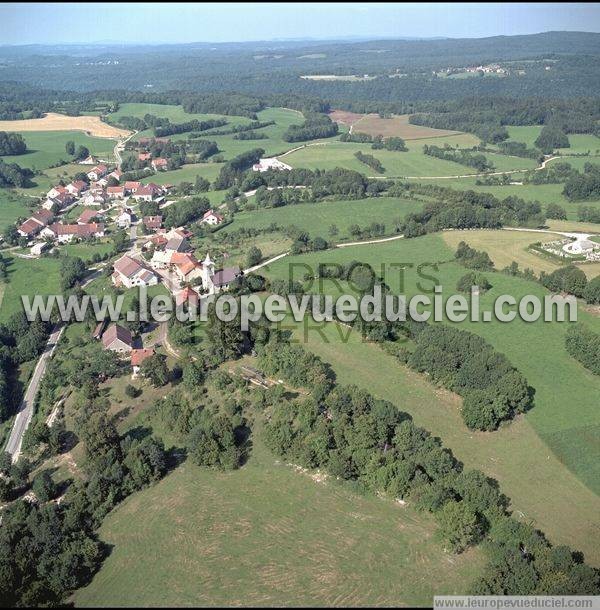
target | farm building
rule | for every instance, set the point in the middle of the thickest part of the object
(117, 338)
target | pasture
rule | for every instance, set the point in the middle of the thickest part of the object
(46, 148)
(579, 142)
(316, 218)
(12, 207)
(565, 416)
(91, 125)
(267, 535)
(186, 173)
(413, 163)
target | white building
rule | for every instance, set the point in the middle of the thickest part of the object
(129, 272)
(264, 165)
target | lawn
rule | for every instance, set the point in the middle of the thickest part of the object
(396, 164)
(46, 148)
(557, 442)
(316, 218)
(266, 535)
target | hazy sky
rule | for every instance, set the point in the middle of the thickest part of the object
(92, 22)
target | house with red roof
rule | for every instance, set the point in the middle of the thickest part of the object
(144, 156)
(148, 192)
(64, 233)
(129, 272)
(159, 164)
(97, 172)
(131, 186)
(152, 223)
(212, 218)
(188, 296)
(87, 216)
(115, 192)
(77, 187)
(137, 358)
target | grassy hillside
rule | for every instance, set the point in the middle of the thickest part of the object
(565, 416)
(269, 535)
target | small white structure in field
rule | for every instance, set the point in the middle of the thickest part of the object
(264, 165)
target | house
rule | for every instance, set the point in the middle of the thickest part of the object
(124, 219)
(186, 267)
(97, 172)
(137, 358)
(264, 165)
(117, 338)
(177, 244)
(94, 198)
(116, 174)
(152, 223)
(129, 272)
(212, 218)
(115, 192)
(33, 225)
(55, 191)
(29, 228)
(156, 241)
(77, 187)
(58, 202)
(144, 156)
(159, 164)
(148, 192)
(188, 296)
(131, 186)
(222, 279)
(37, 249)
(65, 233)
(87, 216)
(91, 160)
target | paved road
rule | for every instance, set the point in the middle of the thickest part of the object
(25, 413)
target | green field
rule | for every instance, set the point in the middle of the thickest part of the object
(46, 148)
(565, 416)
(268, 535)
(579, 142)
(28, 277)
(316, 218)
(12, 207)
(396, 164)
(186, 173)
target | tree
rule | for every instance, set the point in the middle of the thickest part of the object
(458, 526)
(44, 487)
(82, 152)
(213, 444)
(155, 369)
(553, 210)
(592, 291)
(254, 256)
(70, 148)
(193, 375)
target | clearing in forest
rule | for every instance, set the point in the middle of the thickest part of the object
(397, 125)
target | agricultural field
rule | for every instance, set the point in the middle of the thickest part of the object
(579, 143)
(551, 443)
(413, 163)
(91, 125)
(316, 218)
(269, 535)
(46, 148)
(397, 125)
(13, 207)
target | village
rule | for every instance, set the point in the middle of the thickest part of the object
(156, 256)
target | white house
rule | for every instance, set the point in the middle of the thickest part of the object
(212, 218)
(124, 219)
(129, 272)
(97, 172)
(64, 233)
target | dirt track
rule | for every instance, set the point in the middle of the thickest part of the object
(92, 125)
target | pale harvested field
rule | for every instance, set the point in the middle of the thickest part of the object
(398, 125)
(92, 125)
(345, 117)
(504, 247)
